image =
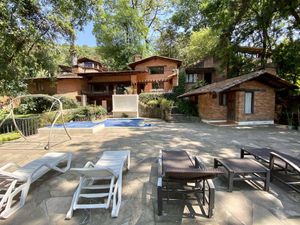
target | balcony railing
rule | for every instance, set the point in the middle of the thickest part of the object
(97, 93)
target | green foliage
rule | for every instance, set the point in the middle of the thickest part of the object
(28, 31)
(154, 103)
(9, 136)
(33, 105)
(180, 89)
(39, 105)
(122, 29)
(186, 107)
(199, 83)
(88, 112)
(167, 104)
(68, 103)
(288, 61)
(202, 43)
(146, 97)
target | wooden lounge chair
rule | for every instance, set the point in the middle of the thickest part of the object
(283, 167)
(101, 182)
(14, 186)
(189, 175)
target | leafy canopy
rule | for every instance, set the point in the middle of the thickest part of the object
(28, 31)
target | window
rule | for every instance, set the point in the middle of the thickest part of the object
(99, 88)
(249, 97)
(190, 78)
(156, 70)
(207, 78)
(89, 64)
(39, 87)
(223, 99)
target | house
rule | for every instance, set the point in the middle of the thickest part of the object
(92, 80)
(245, 100)
(206, 70)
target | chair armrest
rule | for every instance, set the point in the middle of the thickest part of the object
(274, 155)
(199, 163)
(9, 165)
(89, 164)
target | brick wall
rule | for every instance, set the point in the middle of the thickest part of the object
(209, 108)
(264, 102)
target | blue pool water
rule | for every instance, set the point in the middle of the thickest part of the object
(106, 123)
(78, 124)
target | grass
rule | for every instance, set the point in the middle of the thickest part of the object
(9, 136)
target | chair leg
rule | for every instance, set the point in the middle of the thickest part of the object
(74, 200)
(9, 210)
(117, 194)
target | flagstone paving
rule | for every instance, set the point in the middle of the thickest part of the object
(50, 197)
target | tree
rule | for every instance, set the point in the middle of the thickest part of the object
(122, 29)
(287, 58)
(28, 31)
(263, 24)
(202, 43)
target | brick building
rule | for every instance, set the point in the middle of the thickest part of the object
(247, 99)
(92, 79)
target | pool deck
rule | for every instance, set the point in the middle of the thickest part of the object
(49, 198)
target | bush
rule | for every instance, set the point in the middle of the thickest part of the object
(88, 112)
(146, 97)
(153, 103)
(9, 136)
(167, 104)
(47, 118)
(68, 103)
(39, 105)
(187, 107)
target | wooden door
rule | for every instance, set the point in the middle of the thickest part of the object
(231, 106)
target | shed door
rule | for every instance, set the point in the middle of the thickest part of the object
(231, 106)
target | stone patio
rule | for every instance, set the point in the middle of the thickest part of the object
(49, 198)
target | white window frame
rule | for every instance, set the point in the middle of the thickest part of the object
(249, 102)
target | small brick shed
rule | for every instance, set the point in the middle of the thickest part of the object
(247, 100)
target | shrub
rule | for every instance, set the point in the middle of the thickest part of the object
(146, 97)
(68, 103)
(39, 105)
(88, 112)
(167, 104)
(47, 118)
(153, 103)
(187, 107)
(9, 136)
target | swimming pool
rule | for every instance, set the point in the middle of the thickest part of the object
(106, 123)
(89, 127)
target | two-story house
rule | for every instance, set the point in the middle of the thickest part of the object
(91, 79)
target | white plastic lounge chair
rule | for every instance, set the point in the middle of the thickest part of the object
(14, 186)
(108, 170)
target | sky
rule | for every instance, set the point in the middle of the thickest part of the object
(86, 37)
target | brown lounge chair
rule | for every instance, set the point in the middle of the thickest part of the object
(283, 167)
(179, 173)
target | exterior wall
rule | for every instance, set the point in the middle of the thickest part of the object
(41, 86)
(71, 87)
(209, 108)
(169, 67)
(111, 78)
(264, 102)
